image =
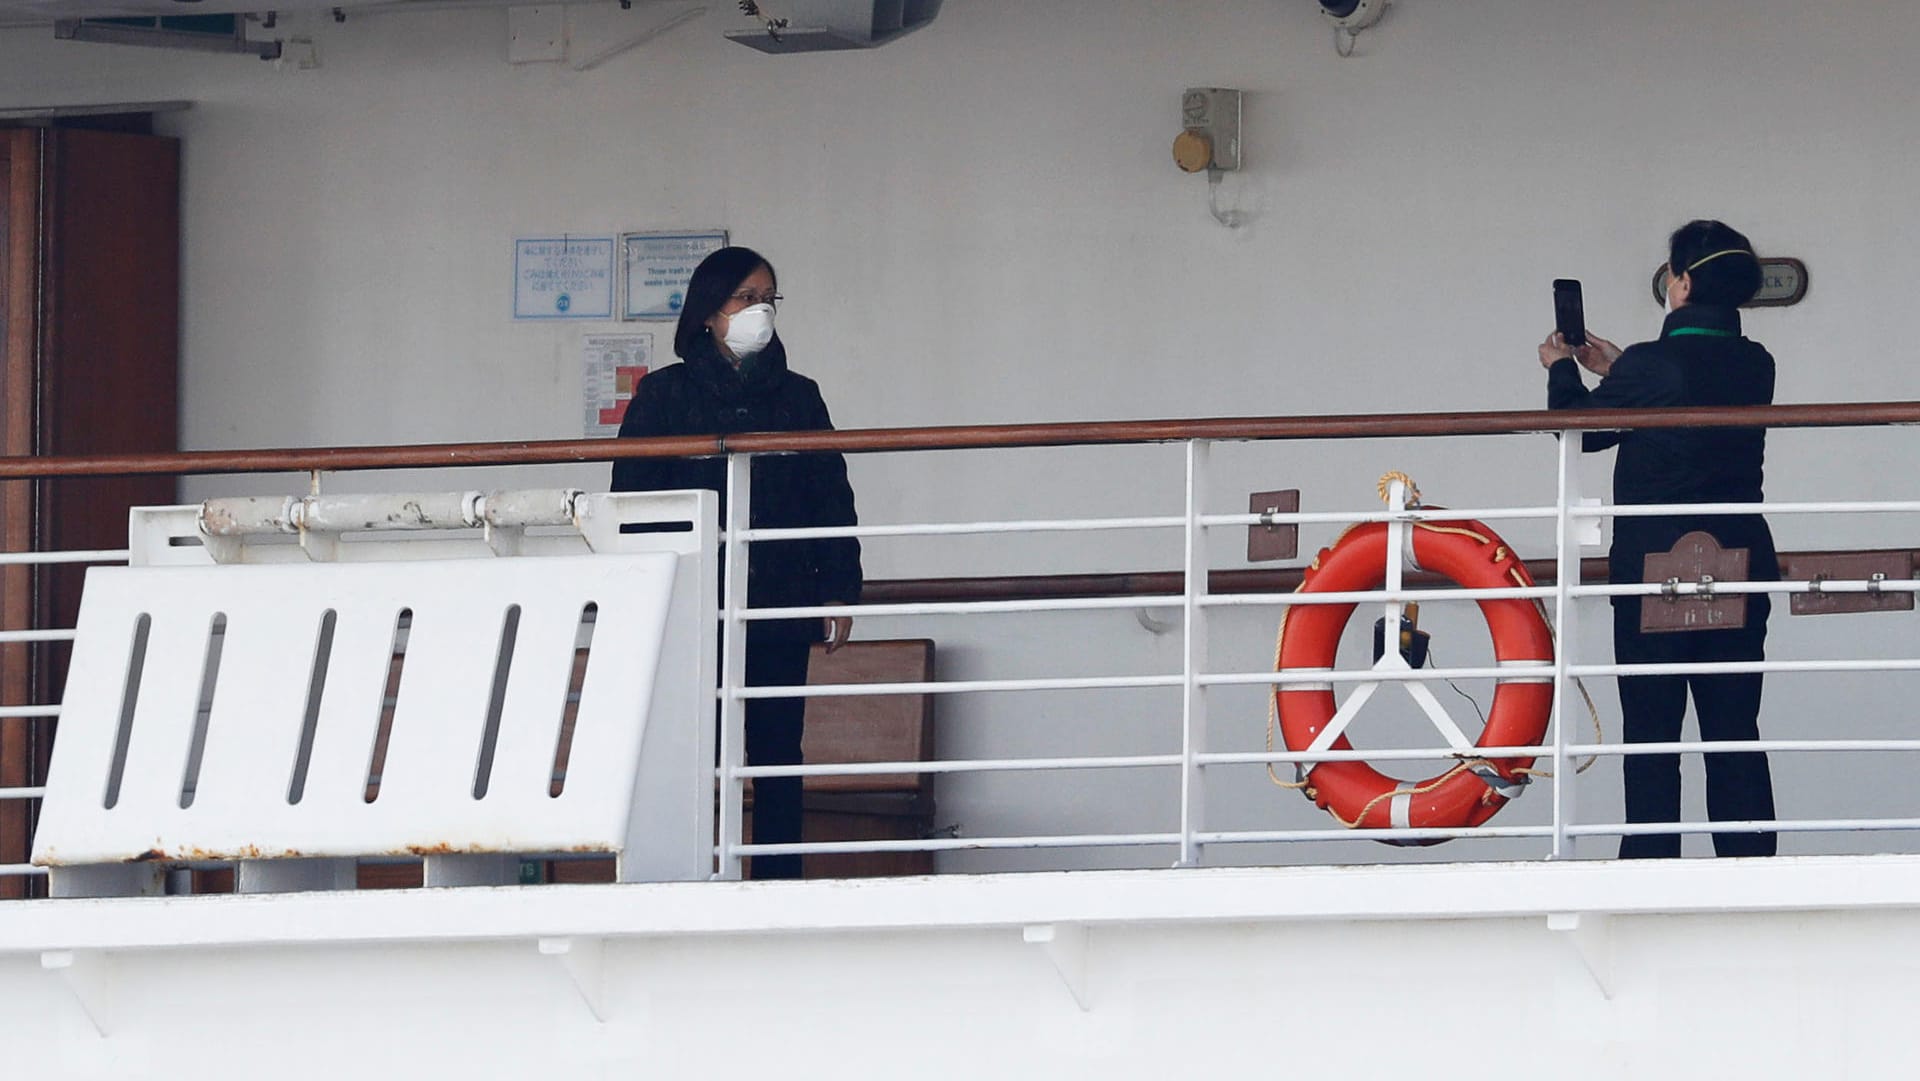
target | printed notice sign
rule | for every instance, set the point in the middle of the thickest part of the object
(658, 267)
(613, 365)
(563, 278)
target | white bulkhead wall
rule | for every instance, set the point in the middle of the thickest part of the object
(981, 223)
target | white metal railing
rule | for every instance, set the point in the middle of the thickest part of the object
(1194, 759)
(1188, 826)
(58, 634)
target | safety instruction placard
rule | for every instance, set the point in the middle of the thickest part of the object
(563, 278)
(613, 365)
(658, 266)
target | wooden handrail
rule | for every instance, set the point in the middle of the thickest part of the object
(877, 440)
(1171, 583)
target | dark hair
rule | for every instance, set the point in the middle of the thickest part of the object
(1726, 281)
(714, 280)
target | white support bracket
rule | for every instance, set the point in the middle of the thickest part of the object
(88, 976)
(480, 869)
(1591, 937)
(143, 879)
(1588, 530)
(584, 962)
(294, 875)
(1065, 945)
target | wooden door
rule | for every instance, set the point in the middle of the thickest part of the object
(19, 225)
(89, 343)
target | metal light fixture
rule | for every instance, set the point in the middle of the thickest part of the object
(809, 26)
(1349, 17)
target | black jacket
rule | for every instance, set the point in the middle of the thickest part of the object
(1700, 359)
(707, 395)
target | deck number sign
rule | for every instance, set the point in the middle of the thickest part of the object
(563, 278)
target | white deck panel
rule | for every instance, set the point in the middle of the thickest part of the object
(426, 800)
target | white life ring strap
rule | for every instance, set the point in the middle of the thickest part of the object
(1544, 668)
(1502, 787)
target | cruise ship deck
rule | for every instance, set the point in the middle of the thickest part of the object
(350, 726)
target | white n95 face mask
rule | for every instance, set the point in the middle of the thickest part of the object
(749, 330)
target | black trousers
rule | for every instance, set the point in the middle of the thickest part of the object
(774, 726)
(1739, 784)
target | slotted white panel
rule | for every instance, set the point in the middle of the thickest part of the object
(426, 800)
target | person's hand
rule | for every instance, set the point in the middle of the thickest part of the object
(1554, 349)
(1598, 355)
(838, 628)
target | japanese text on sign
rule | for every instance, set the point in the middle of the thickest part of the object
(563, 278)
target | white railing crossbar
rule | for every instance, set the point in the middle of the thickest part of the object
(14, 559)
(1570, 516)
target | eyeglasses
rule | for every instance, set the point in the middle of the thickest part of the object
(751, 298)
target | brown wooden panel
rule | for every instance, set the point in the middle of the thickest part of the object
(574, 872)
(89, 328)
(872, 728)
(818, 825)
(19, 184)
(109, 346)
(391, 876)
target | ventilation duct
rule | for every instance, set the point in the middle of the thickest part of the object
(812, 26)
(204, 33)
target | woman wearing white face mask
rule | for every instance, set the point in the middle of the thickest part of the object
(1700, 359)
(734, 378)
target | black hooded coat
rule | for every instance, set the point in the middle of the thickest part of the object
(707, 395)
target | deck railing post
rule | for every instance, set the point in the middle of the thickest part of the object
(733, 661)
(1566, 628)
(1193, 712)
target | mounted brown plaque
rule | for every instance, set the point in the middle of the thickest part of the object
(1696, 559)
(1816, 568)
(1267, 542)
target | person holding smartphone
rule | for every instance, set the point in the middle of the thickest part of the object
(1699, 359)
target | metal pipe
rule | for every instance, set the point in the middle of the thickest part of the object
(958, 686)
(972, 765)
(961, 437)
(1707, 668)
(35, 636)
(104, 555)
(951, 844)
(948, 529)
(957, 608)
(1738, 745)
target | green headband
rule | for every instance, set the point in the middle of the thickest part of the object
(1730, 251)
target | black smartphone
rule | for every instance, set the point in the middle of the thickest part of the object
(1569, 314)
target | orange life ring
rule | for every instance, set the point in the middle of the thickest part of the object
(1360, 796)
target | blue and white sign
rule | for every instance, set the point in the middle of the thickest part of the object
(563, 278)
(658, 267)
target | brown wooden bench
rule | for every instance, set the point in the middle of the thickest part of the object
(867, 728)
